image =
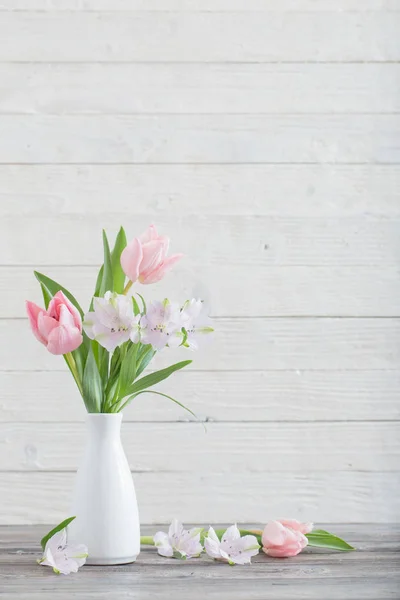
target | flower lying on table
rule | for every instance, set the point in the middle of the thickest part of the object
(233, 546)
(58, 554)
(179, 542)
(279, 539)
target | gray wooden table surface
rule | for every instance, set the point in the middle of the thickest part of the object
(370, 573)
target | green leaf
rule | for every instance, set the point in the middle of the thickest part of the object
(98, 285)
(144, 357)
(165, 396)
(107, 283)
(56, 529)
(143, 302)
(323, 539)
(92, 385)
(118, 273)
(136, 308)
(128, 370)
(53, 287)
(156, 377)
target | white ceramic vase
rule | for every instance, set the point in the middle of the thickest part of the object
(104, 503)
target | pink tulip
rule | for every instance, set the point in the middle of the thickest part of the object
(59, 327)
(285, 538)
(145, 258)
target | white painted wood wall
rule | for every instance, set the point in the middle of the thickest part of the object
(264, 137)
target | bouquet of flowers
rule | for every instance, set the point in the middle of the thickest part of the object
(108, 348)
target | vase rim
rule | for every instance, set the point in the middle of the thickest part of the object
(97, 415)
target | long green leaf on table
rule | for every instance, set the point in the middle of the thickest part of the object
(323, 539)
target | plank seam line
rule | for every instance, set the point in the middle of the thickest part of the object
(200, 163)
(200, 62)
(301, 370)
(145, 114)
(212, 422)
(274, 317)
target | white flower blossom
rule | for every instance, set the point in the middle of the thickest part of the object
(232, 548)
(112, 322)
(195, 322)
(179, 542)
(62, 557)
(162, 325)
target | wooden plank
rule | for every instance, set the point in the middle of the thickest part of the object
(51, 396)
(360, 496)
(263, 291)
(247, 344)
(198, 5)
(226, 448)
(58, 88)
(382, 587)
(231, 240)
(247, 36)
(338, 139)
(155, 190)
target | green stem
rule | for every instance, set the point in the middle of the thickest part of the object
(147, 540)
(72, 365)
(127, 287)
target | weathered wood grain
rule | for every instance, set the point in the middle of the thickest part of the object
(247, 344)
(222, 448)
(263, 291)
(231, 240)
(247, 36)
(40, 497)
(58, 88)
(157, 190)
(50, 396)
(374, 562)
(225, 138)
(199, 5)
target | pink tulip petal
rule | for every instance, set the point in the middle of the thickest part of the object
(59, 300)
(131, 258)
(66, 318)
(160, 271)
(149, 235)
(34, 311)
(153, 255)
(46, 325)
(282, 551)
(297, 525)
(274, 534)
(64, 339)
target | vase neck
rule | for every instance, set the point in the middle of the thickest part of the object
(104, 425)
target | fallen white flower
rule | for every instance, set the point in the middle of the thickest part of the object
(62, 557)
(232, 548)
(179, 542)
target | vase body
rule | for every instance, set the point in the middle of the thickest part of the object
(104, 501)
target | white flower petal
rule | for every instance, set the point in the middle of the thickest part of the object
(175, 529)
(230, 535)
(212, 545)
